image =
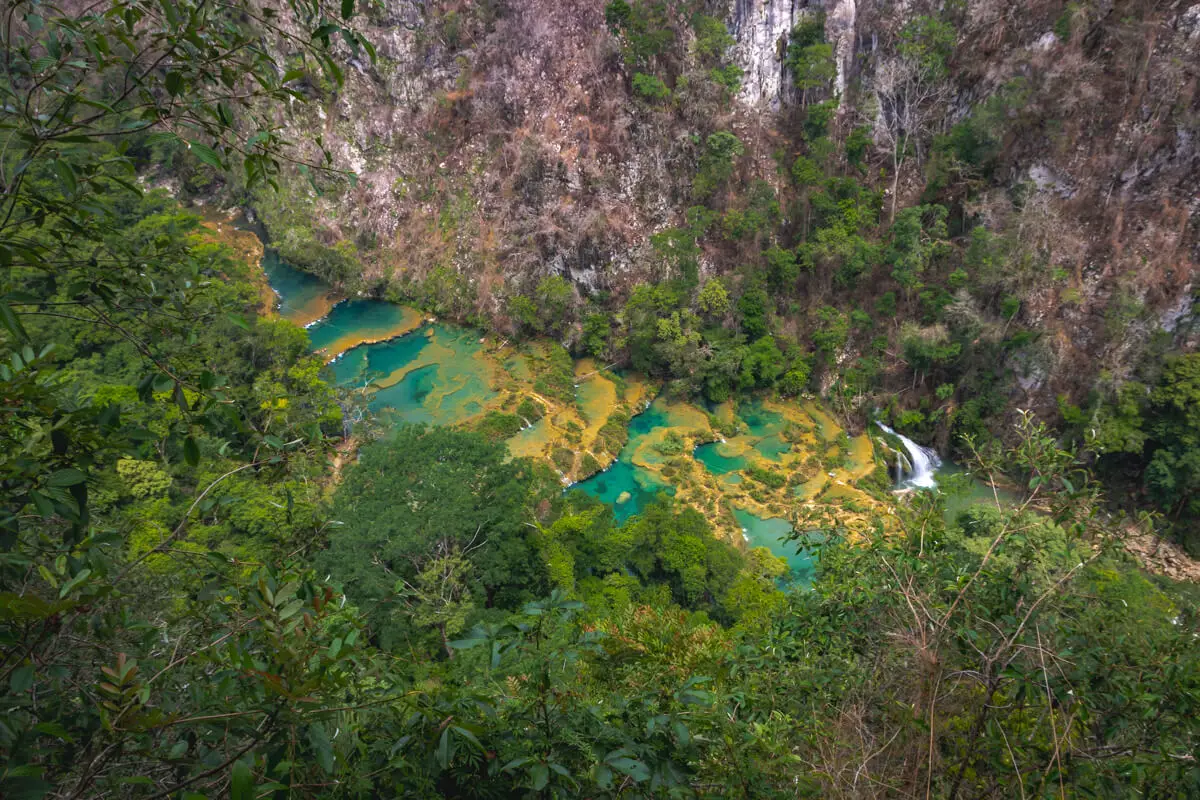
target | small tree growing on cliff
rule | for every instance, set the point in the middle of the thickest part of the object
(907, 96)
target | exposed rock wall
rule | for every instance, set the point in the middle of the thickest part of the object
(761, 28)
(501, 150)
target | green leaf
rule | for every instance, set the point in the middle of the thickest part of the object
(174, 83)
(541, 776)
(12, 323)
(66, 477)
(206, 155)
(318, 737)
(55, 730)
(42, 503)
(241, 782)
(160, 136)
(191, 451)
(70, 585)
(631, 767)
(290, 609)
(66, 174)
(466, 734)
(347, 9)
(22, 679)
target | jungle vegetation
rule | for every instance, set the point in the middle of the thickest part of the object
(191, 607)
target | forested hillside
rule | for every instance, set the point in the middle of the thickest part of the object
(946, 211)
(228, 571)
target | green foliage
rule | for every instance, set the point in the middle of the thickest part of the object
(713, 299)
(496, 426)
(712, 38)
(555, 296)
(160, 442)
(767, 477)
(831, 331)
(817, 117)
(530, 409)
(523, 310)
(672, 444)
(752, 308)
(721, 149)
(795, 380)
(929, 348)
(759, 215)
(338, 264)
(422, 494)
(143, 478)
(163, 480)
(929, 42)
(858, 144)
(806, 172)
(597, 334)
(650, 87)
(1155, 434)
(644, 29)
(761, 365)
(679, 247)
(971, 149)
(917, 237)
(810, 57)
(676, 547)
(555, 375)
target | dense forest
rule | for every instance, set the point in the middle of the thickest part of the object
(223, 574)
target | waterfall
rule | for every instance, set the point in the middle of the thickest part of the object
(923, 461)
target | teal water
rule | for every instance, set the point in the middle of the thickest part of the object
(430, 376)
(370, 362)
(433, 375)
(626, 477)
(361, 319)
(638, 487)
(772, 534)
(718, 463)
(764, 438)
(298, 292)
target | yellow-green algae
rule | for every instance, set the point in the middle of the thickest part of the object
(784, 438)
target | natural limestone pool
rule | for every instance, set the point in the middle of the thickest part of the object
(744, 466)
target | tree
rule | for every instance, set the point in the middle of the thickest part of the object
(439, 596)
(908, 96)
(752, 307)
(713, 299)
(677, 547)
(427, 494)
(917, 237)
(1173, 470)
(721, 149)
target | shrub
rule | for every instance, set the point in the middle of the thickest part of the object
(563, 458)
(650, 87)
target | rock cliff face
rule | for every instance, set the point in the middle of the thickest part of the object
(497, 143)
(761, 28)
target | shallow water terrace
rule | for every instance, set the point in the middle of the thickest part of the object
(420, 371)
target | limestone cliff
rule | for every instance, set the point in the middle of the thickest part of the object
(498, 143)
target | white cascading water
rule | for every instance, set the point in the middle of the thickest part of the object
(922, 460)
